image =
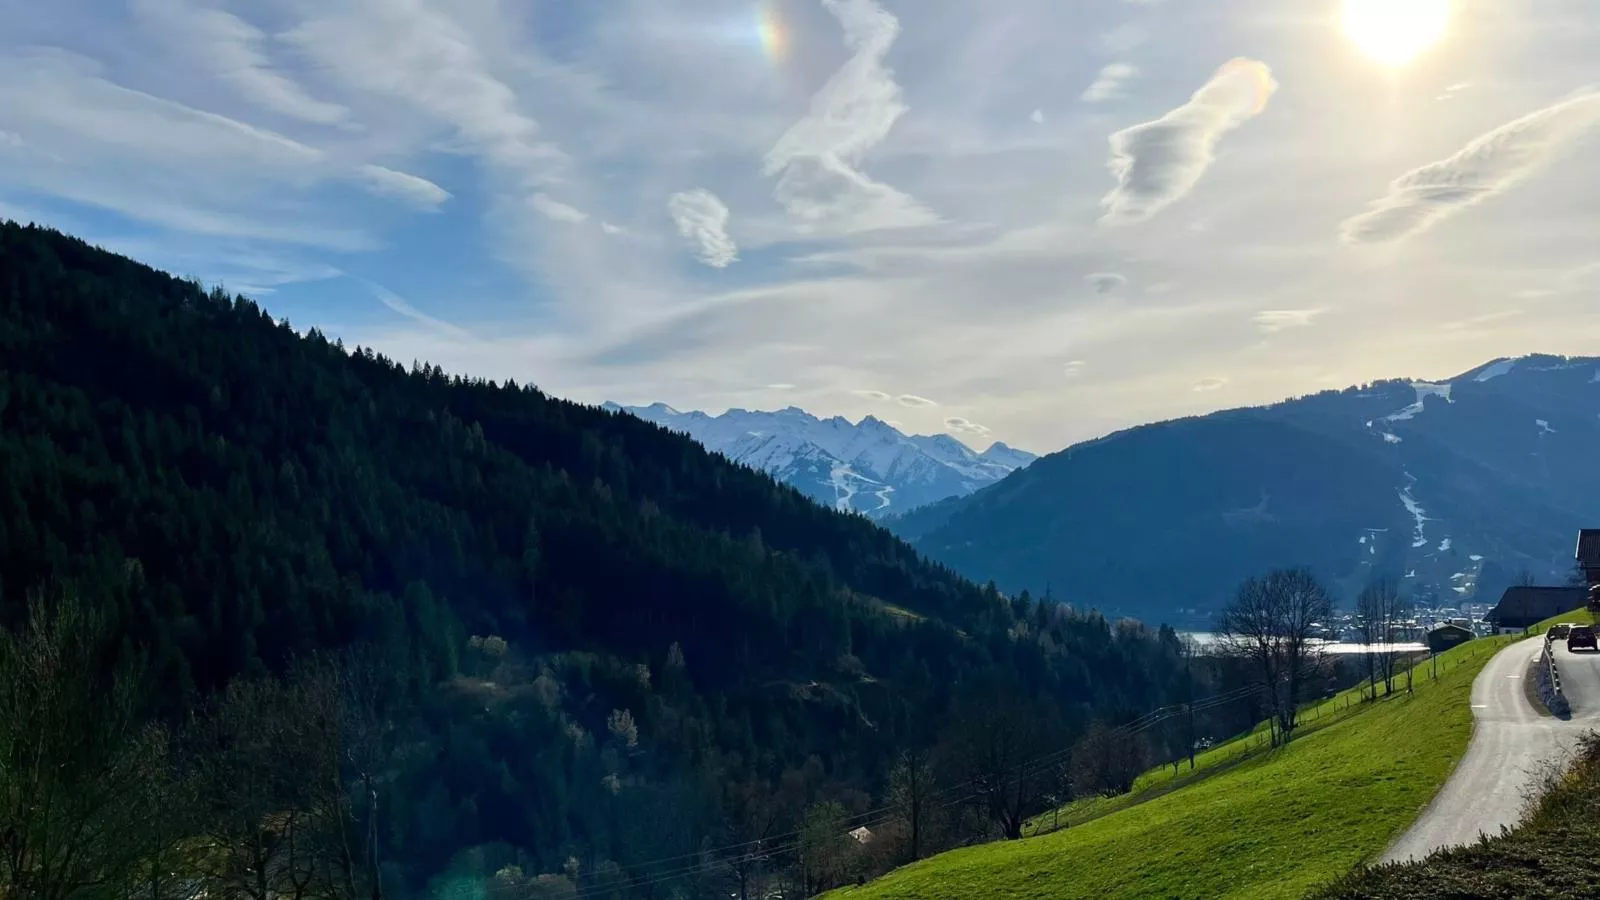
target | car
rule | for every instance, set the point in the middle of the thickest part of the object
(1582, 637)
(1558, 631)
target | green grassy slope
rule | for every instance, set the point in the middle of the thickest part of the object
(1577, 617)
(1550, 856)
(1269, 823)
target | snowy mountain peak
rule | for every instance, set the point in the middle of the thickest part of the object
(869, 467)
(1007, 456)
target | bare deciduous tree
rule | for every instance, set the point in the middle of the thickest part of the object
(1272, 622)
(1105, 761)
(993, 749)
(77, 763)
(266, 760)
(911, 789)
(1379, 610)
(825, 847)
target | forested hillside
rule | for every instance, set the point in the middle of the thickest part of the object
(1452, 488)
(594, 656)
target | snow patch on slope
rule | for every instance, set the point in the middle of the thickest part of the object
(1419, 537)
(1424, 390)
(1495, 370)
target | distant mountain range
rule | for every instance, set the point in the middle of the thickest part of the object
(1453, 487)
(869, 467)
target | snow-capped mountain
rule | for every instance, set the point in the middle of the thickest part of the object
(869, 467)
(1452, 487)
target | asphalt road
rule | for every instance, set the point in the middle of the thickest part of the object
(1511, 743)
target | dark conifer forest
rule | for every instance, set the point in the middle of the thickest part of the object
(299, 620)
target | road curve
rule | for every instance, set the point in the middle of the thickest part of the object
(1511, 743)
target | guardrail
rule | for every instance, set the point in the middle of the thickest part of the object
(1549, 678)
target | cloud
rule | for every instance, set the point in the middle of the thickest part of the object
(159, 162)
(609, 228)
(780, 387)
(1109, 83)
(870, 394)
(1037, 117)
(1072, 368)
(1206, 385)
(1158, 163)
(1275, 320)
(555, 210)
(1105, 283)
(400, 305)
(419, 192)
(422, 58)
(231, 49)
(703, 219)
(817, 161)
(959, 425)
(1486, 167)
(914, 400)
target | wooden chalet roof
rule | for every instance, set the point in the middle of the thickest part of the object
(1589, 548)
(1521, 606)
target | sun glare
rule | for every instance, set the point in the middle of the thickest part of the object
(1394, 32)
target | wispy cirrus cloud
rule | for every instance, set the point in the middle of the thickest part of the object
(403, 307)
(818, 160)
(868, 394)
(417, 191)
(421, 57)
(92, 141)
(1487, 167)
(1158, 163)
(234, 51)
(1275, 320)
(914, 400)
(702, 219)
(1207, 385)
(1109, 83)
(555, 210)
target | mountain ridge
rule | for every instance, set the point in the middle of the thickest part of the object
(1452, 487)
(869, 467)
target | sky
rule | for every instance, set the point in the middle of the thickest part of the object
(1036, 221)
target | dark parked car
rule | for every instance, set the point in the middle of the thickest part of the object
(1582, 637)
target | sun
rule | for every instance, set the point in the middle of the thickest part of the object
(1394, 32)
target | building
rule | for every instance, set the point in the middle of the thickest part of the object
(1524, 606)
(1446, 636)
(1588, 554)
